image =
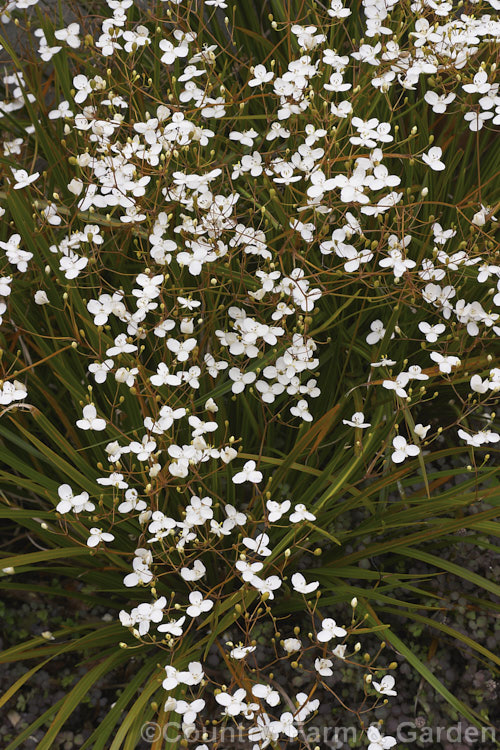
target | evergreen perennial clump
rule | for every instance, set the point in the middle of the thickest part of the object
(250, 290)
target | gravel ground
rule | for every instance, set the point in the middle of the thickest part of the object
(459, 668)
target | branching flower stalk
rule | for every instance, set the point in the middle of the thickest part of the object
(238, 270)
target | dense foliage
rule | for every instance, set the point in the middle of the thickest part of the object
(249, 291)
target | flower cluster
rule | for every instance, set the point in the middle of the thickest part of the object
(198, 254)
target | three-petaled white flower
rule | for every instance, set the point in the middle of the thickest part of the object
(379, 741)
(445, 363)
(329, 630)
(385, 686)
(23, 179)
(433, 159)
(69, 501)
(248, 474)
(403, 450)
(258, 545)
(300, 584)
(98, 535)
(432, 333)
(357, 420)
(198, 604)
(301, 514)
(260, 76)
(240, 652)
(233, 704)
(324, 667)
(90, 419)
(174, 627)
(266, 692)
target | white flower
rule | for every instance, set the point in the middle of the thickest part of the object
(478, 385)
(121, 346)
(195, 573)
(421, 431)
(172, 679)
(479, 85)
(181, 349)
(240, 379)
(10, 392)
(126, 375)
(115, 479)
(69, 35)
(291, 645)
(445, 363)
(15, 255)
(248, 570)
(164, 377)
(75, 186)
(90, 419)
(260, 76)
(306, 706)
(415, 373)
(69, 501)
(441, 236)
(240, 652)
(233, 704)
(357, 420)
(377, 741)
(438, 102)
(476, 120)
(97, 535)
(377, 332)
(398, 385)
(266, 692)
(41, 298)
(50, 213)
(432, 332)
(194, 675)
(248, 474)
(300, 584)
(246, 138)
(385, 686)
(211, 406)
(402, 449)
(277, 510)
(174, 627)
(480, 438)
(301, 514)
(384, 362)
(228, 454)
(258, 545)
(329, 630)
(23, 179)
(432, 159)
(72, 264)
(132, 502)
(5, 282)
(301, 410)
(267, 586)
(141, 575)
(235, 517)
(198, 605)
(189, 711)
(479, 218)
(397, 262)
(337, 10)
(287, 725)
(324, 667)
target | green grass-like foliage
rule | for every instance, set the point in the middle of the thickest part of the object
(227, 262)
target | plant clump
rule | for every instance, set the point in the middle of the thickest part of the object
(249, 284)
